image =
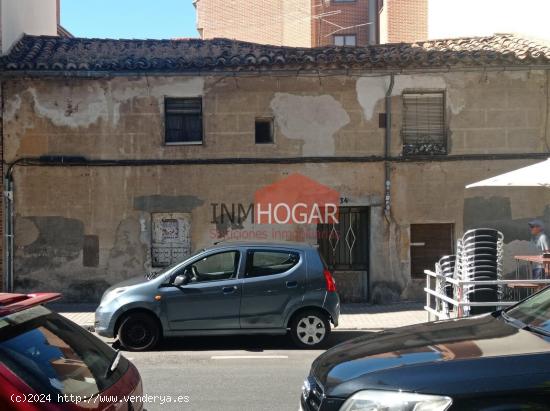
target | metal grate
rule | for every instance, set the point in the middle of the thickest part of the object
(424, 130)
(344, 246)
(171, 240)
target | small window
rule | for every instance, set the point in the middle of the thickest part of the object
(264, 130)
(349, 40)
(183, 120)
(262, 263)
(215, 267)
(424, 130)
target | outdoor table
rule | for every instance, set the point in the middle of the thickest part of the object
(530, 260)
(533, 259)
(527, 285)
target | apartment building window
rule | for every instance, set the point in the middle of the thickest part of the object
(345, 40)
(424, 131)
(264, 130)
(183, 120)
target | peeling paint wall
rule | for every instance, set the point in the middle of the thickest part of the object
(90, 102)
(114, 204)
(311, 119)
(63, 213)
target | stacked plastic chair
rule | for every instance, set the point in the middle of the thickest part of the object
(445, 267)
(479, 258)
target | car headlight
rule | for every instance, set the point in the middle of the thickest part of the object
(372, 400)
(111, 295)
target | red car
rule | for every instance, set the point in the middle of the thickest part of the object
(49, 363)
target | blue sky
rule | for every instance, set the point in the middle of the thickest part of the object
(129, 18)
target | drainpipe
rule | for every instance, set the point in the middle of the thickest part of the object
(8, 228)
(8, 234)
(387, 149)
(7, 213)
(373, 22)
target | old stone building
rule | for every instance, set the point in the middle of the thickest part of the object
(17, 18)
(123, 156)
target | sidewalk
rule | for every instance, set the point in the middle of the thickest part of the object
(353, 316)
(381, 317)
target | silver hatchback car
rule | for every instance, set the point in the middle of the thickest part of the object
(231, 288)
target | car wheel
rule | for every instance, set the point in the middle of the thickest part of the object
(138, 332)
(309, 329)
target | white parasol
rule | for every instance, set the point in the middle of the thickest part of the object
(536, 175)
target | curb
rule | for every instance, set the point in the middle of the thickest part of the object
(374, 330)
(91, 329)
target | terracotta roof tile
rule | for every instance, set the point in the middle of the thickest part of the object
(44, 53)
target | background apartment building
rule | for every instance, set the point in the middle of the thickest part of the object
(277, 22)
(313, 23)
(348, 22)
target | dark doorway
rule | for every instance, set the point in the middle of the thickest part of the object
(429, 242)
(345, 246)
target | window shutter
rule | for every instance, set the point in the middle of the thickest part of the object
(424, 130)
(183, 105)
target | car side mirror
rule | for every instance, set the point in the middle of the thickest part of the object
(180, 280)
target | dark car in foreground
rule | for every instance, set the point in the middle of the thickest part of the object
(49, 363)
(496, 362)
(230, 288)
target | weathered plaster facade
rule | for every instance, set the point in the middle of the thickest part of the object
(64, 216)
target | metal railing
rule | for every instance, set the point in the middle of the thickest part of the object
(440, 306)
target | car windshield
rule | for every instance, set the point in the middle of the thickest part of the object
(54, 356)
(533, 312)
(152, 275)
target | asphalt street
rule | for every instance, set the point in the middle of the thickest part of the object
(257, 373)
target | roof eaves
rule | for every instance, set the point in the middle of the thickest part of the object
(50, 54)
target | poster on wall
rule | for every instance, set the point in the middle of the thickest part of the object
(171, 238)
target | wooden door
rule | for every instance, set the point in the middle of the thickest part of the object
(429, 242)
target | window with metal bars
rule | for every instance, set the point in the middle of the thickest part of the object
(345, 246)
(424, 130)
(183, 120)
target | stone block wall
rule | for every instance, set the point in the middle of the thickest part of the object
(60, 210)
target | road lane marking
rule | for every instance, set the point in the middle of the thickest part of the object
(249, 357)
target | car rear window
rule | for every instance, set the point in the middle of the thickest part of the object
(261, 263)
(53, 355)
